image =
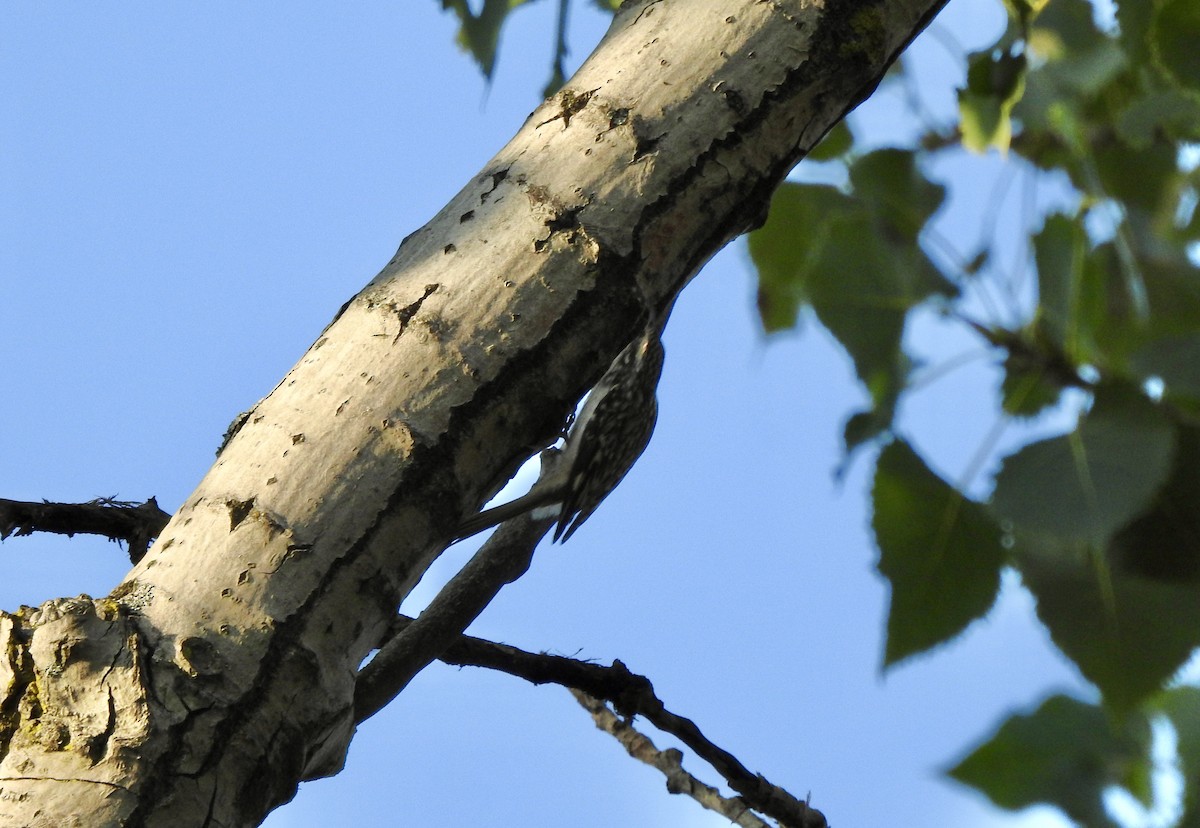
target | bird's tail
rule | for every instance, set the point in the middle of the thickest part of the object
(505, 511)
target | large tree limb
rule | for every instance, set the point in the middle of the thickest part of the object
(222, 670)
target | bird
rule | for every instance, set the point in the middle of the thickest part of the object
(602, 443)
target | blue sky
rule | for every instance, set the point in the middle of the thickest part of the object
(190, 191)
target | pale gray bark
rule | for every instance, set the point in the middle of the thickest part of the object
(222, 671)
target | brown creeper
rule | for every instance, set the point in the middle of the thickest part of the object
(605, 440)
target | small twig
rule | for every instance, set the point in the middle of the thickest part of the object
(118, 520)
(633, 695)
(669, 762)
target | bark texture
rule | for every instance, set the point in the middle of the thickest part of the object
(221, 672)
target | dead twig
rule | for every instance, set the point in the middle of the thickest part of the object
(137, 524)
(633, 695)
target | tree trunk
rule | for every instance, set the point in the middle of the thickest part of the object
(221, 672)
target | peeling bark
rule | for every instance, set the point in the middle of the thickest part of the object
(221, 672)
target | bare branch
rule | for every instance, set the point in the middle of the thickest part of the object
(669, 762)
(633, 695)
(118, 520)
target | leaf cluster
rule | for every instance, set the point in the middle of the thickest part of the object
(1101, 523)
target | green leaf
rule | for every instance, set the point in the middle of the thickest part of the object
(1027, 389)
(1086, 73)
(1108, 324)
(859, 293)
(1071, 25)
(1141, 177)
(871, 271)
(1083, 486)
(864, 426)
(896, 193)
(1054, 111)
(1182, 706)
(1131, 617)
(1163, 543)
(862, 288)
(1174, 36)
(1127, 634)
(1082, 79)
(1059, 249)
(835, 144)
(1066, 753)
(788, 247)
(1024, 10)
(941, 553)
(985, 122)
(1115, 336)
(1173, 285)
(480, 34)
(1133, 22)
(1171, 111)
(856, 261)
(994, 84)
(1175, 360)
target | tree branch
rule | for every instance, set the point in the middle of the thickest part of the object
(414, 643)
(669, 762)
(118, 520)
(631, 695)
